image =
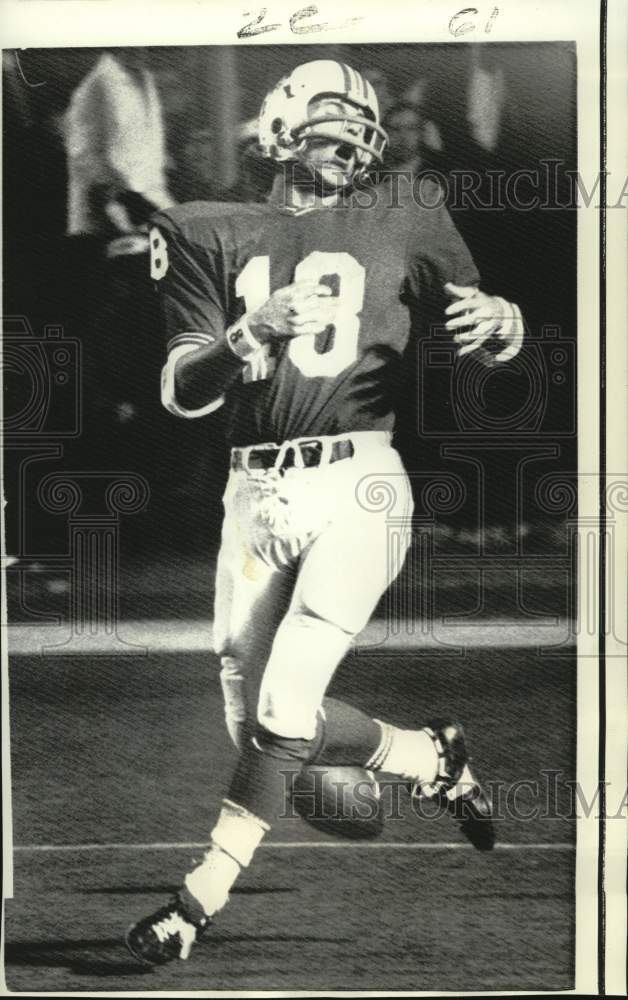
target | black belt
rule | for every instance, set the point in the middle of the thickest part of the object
(311, 453)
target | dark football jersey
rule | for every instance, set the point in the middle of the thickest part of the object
(387, 266)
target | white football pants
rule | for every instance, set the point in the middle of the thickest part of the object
(305, 556)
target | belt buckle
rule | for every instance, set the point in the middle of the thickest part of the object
(280, 461)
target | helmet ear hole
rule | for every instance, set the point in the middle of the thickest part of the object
(276, 125)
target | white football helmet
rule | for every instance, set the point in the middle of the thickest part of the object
(286, 123)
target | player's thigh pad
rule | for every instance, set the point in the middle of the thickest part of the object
(348, 567)
(304, 656)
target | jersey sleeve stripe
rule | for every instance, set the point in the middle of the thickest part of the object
(168, 392)
(196, 339)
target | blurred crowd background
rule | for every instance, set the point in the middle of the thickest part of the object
(95, 140)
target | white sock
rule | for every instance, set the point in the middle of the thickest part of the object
(210, 882)
(407, 753)
(234, 840)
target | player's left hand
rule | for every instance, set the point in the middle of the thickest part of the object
(482, 316)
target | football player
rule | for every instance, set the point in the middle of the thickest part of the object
(294, 315)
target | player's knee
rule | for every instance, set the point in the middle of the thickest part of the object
(225, 644)
(245, 650)
(279, 711)
(288, 728)
(285, 747)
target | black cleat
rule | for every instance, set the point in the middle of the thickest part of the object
(457, 788)
(448, 738)
(165, 935)
(473, 812)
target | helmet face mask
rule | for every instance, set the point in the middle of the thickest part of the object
(323, 103)
(343, 122)
(334, 142)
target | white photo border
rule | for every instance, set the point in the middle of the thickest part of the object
(600, 906)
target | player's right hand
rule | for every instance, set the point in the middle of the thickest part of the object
(304, 307)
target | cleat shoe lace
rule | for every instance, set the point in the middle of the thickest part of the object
(165, 935)
(172, 925)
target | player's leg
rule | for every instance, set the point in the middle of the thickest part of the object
(254, 800)
(305, 652)
(256, 796)
(285, 735)
(252, 594)
(347, 737)
(310, 642)
(343, 574)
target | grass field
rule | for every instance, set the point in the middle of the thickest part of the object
(118, 766)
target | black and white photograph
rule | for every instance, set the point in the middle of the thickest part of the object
(312, 536)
